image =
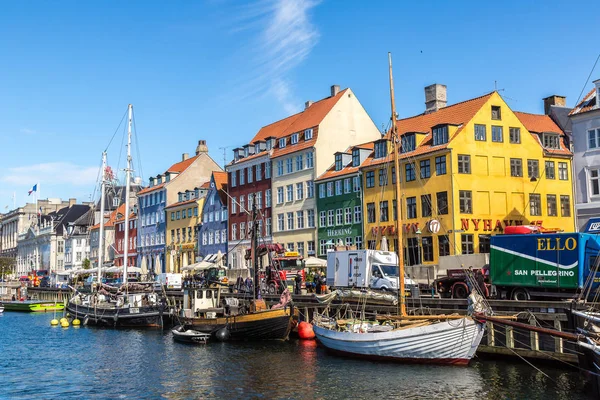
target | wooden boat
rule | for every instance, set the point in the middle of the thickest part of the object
(183, 335)
(32, 306)
(430, 339)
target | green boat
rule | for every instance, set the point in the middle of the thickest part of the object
(32, 306)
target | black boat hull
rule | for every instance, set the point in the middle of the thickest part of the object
(141, 317)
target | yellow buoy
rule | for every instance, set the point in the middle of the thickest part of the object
(63, 319)
(54, 322)
(76, 322)
(65, 323)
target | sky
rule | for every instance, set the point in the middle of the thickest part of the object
(219, 70)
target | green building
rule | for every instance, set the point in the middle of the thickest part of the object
(339, 201)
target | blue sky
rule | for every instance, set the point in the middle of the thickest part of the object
(219, 70)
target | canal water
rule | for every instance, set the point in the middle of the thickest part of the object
(44, 362)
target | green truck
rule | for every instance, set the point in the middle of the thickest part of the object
(557, 265)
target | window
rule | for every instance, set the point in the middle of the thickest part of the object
(370, 179)
(300, 248)
(496, 113)
(223, 214)
(189, 213)
(516, 167)
(250, 174)
(348, 215)
(338, 188)
(465, 201)
(484, 243)
(408, 143)
(467, 243)
(425, 169)
(233, 206)
(443, 245)
(311, 247)
(279, 167)
(290, 192)
(311, 218)
(196, 212)
(258, 197)
(357, 214)
(338, 162)
(308, 134)
(280, 223)
(383, 211)
(514, 135)
(290, 221)
(178, 215)
(551, 201)
(533, 168)
(223, 235)
(358, 242)
(394, 210)
(299, 163)
(464, 164)
(440, 165)
(268, 198)
(347, 188)
(289, 163)
(535, 204)
(172, 216)
(593, 138)
(321, 190)
(211, 238)
(355, 157)
(323, 219)
(565, 206)
(242, 176)
(61, 247)
(480, 132)
(440, 135)
(280, 195)
(426, 205)
(339, 217)
(427, 243)
(563, 172)
(300, 219)
(383, 177)
(309, 160)
(299, 191)
(356, 184)
(217, 237)
(268, 227)
(322, 247)
(330, 218)
(205, 235)
(442, 202)
(410, 172)
(595, 182)
(380, 149)
(348, 241)
(294, 139)
(550, 170)
(551, 141)
(411, 207)
(370, 213)
(243, 231)
(242, 203)
(268, 170)
(281, 143)
(497, 134)
(329, 189)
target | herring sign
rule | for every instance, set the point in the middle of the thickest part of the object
(593, 226)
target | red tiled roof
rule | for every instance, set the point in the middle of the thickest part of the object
(205, 185)
(132, 216)
(181, 203)
(182, 165)
(348, 169)
(151, 188)
(588, 103)
(539, 123)
(292, 148)
(221, 185)
(112, 218)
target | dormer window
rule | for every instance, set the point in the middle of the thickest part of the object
(257, 148)
(151, 182)
(338, 162)
(281, 143)
(440, 135)
(294, 139)
(308, 134)
(269, 144)
(496, 113)
(408, 143)
(167, 177)
(551, 141)
(355, 158)
(196, 193)
(115, 202)
(381, 149)
(246, 152)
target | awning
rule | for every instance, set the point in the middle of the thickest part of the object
(314, 262)
(202, 265)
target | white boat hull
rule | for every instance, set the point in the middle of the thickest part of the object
(448, 342)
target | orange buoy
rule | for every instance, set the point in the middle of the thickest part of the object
(305, 331)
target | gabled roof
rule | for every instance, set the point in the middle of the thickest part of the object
(589, 102)
(220, 179)
(539, 123)
(66, 215)
(112, 218)
(177, 168)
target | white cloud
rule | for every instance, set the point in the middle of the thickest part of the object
(53, 173)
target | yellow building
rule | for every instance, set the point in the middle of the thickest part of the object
(182, 219)
(466, 172)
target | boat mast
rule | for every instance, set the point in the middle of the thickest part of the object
(254, 251)
(396, 148)
(127, 188)
(101, 238)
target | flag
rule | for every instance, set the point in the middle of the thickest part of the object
(33, 189)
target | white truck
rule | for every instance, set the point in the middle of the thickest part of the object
(373, 269)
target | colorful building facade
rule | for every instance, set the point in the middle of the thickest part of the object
(466, 172)
(120, 239)
(212, 235)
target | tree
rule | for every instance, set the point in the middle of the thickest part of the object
(6, 265)
(86, 263)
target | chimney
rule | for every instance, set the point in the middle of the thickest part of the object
(597, 83)
(335, 89)
(185, 156)
(202, 147)
(72, 202)
(435, 97)
(309, 103)
(554, 100)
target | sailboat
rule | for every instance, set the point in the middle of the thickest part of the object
(208, 310)
(131, 305)
(443, 339)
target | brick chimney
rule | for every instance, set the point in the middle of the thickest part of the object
(202, 147)
(335, 89)
(435, 97)
(597, 83)
(185, 156)
(308, 104)
(554, 100)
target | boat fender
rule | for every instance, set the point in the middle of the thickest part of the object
(116, 318)
(85, 320)
(223, 334)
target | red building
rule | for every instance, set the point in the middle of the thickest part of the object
(120, 238)
(249, 177)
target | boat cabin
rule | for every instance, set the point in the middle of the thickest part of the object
(209, 303)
